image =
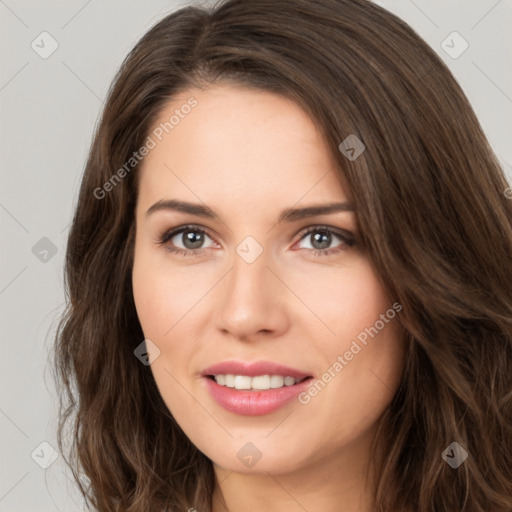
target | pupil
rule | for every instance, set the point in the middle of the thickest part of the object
(192, 239)
(321, 240)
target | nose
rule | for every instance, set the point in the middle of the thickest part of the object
(251, 301)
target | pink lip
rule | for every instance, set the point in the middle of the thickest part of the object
(253, 369)
(253, 403)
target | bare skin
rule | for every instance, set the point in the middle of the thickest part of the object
(248, 155)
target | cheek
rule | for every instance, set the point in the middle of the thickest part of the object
(162, 296)
(163, 302)
(346, 300)
(363, 300)
(169, 304)
(153, 302)
(364, 350)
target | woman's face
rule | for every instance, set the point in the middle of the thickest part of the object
(258, 284)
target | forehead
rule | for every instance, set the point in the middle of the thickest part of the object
(236, 143)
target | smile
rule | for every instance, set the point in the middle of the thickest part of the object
(253, 389)
(258, 383)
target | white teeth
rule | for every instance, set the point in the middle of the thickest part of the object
(260, 382)
(276, 381)
(242, 382)
(289, 381)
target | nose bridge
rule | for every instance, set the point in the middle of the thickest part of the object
(250, 299)
(246, 282)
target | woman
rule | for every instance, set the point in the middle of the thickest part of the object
(289, 274)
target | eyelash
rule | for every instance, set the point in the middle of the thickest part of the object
(347, 239)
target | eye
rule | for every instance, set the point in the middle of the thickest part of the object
(192, 240)
(323, 240)
(186, 240)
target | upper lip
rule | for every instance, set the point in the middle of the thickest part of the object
(253, 369)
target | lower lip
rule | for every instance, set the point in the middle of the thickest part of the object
(254, 403)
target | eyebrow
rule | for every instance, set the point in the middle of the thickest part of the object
(288, 215)
(182, 206)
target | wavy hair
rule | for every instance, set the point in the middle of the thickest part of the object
(429, 196)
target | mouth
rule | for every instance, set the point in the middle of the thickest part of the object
(254, 389)
(256, 383)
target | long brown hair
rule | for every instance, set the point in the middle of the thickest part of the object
(429, 195)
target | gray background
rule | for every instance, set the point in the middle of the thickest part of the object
(49, 107)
